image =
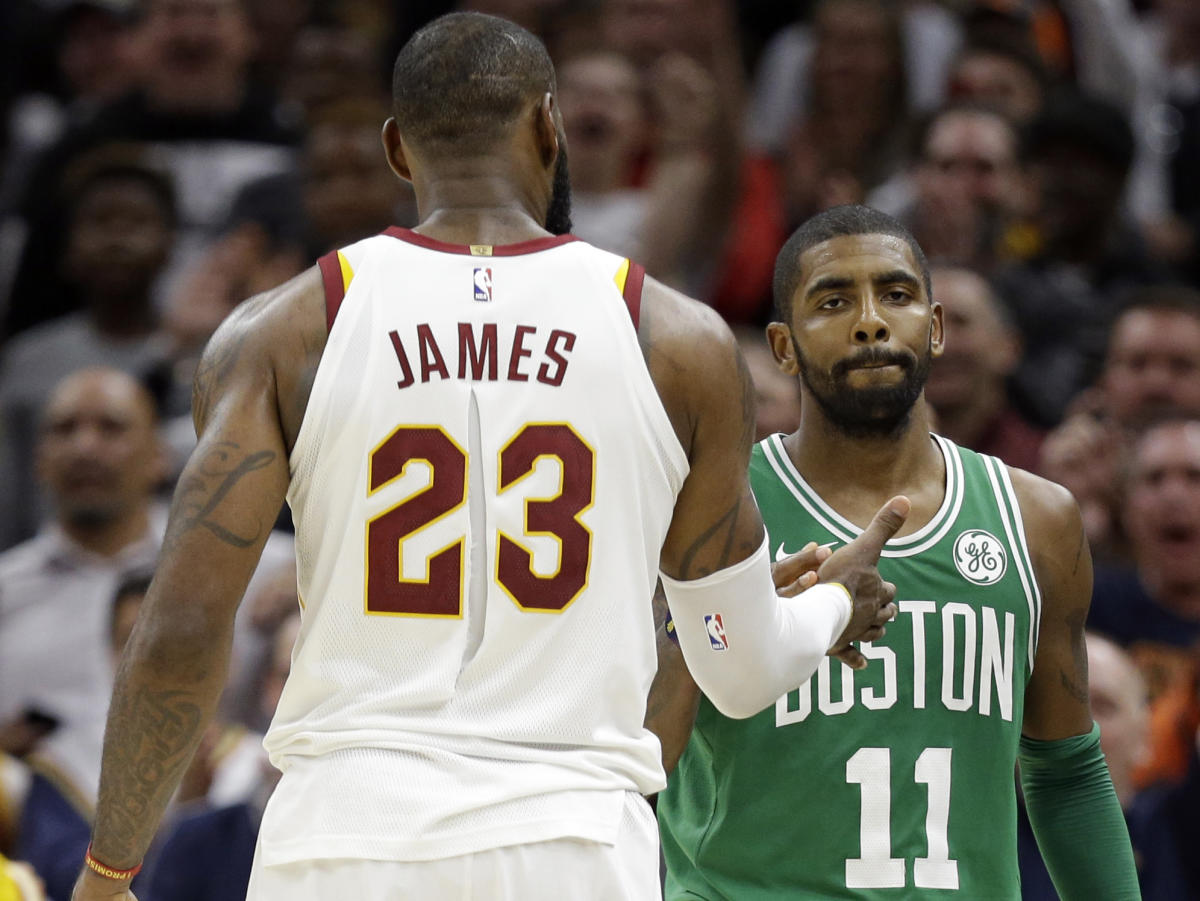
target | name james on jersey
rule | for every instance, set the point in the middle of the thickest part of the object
(479, 351)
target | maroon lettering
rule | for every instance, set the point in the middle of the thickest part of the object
(486, 350)
(544, 374)
(431, 356)
(405, 368)
(518, 352)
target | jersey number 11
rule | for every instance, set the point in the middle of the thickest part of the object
(871, 768)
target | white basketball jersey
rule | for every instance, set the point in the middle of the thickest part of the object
(481, 488)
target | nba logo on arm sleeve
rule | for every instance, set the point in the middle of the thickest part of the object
(483, 284)
(716, 632)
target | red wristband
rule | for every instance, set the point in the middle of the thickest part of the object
(106, 871)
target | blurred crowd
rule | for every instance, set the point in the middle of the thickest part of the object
(162, 160)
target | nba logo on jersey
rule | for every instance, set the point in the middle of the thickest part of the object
(483, 284)
(716, 632)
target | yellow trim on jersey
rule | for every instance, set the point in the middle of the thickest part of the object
(347, 271)
(622, 274)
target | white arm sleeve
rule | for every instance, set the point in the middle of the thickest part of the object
(744, 645)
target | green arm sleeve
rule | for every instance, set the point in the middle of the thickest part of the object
(1076, 818)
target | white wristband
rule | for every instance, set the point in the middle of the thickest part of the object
(746, 646)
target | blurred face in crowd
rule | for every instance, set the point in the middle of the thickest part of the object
(94, 55)
(1117, 695)
(329, 64)
(856, 59)
(972, 154)
(777, 396)
(119, 240)
(196, 53)
(600, 98)
(981, 349)
(1162, 506)
(863, 332)
(994, 79)
(1078, 193)
(348, 193)
(98, 453)
(646, 30)
(1153, 366)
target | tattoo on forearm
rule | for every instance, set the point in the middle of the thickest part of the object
(201, 492)
(149, 740)
(721, 531)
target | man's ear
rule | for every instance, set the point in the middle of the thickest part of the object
(779, 336)
(394, 149)
(546, 129)
(937, 330)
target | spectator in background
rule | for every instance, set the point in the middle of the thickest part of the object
(932, 35)
(214, 129)
(1002, 71)
(329, 62)
(968, 385)
(1152, 608)
(669, 222)
(1151, 370)
(119, 233)
(965, 192)
(1086, 255)
(857, 113)
(100, 460)
(94, 64)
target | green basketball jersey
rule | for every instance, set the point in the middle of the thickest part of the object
(896, 781)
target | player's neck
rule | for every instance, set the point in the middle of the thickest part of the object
(482, 204)
(876, 466)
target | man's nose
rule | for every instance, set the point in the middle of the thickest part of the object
(870, 327)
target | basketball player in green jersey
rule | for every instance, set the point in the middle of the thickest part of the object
(895, 781)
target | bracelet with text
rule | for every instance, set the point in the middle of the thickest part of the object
(106, 871)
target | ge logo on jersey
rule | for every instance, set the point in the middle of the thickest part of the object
(483, 284)
(980, 557)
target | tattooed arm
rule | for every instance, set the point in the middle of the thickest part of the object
(1056, 700)
(226, 501)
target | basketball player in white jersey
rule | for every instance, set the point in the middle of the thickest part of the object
(493, 438)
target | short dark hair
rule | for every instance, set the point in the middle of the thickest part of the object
(836, 222)
(467, 76)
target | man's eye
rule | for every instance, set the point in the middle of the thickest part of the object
(832, 303)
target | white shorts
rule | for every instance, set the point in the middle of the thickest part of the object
(560, 870)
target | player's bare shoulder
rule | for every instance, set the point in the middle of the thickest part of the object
(694, 360)
(1055, 535)
(271, 340)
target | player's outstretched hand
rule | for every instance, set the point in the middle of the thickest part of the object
(856, 566)
(797, 572)
(90, 887)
